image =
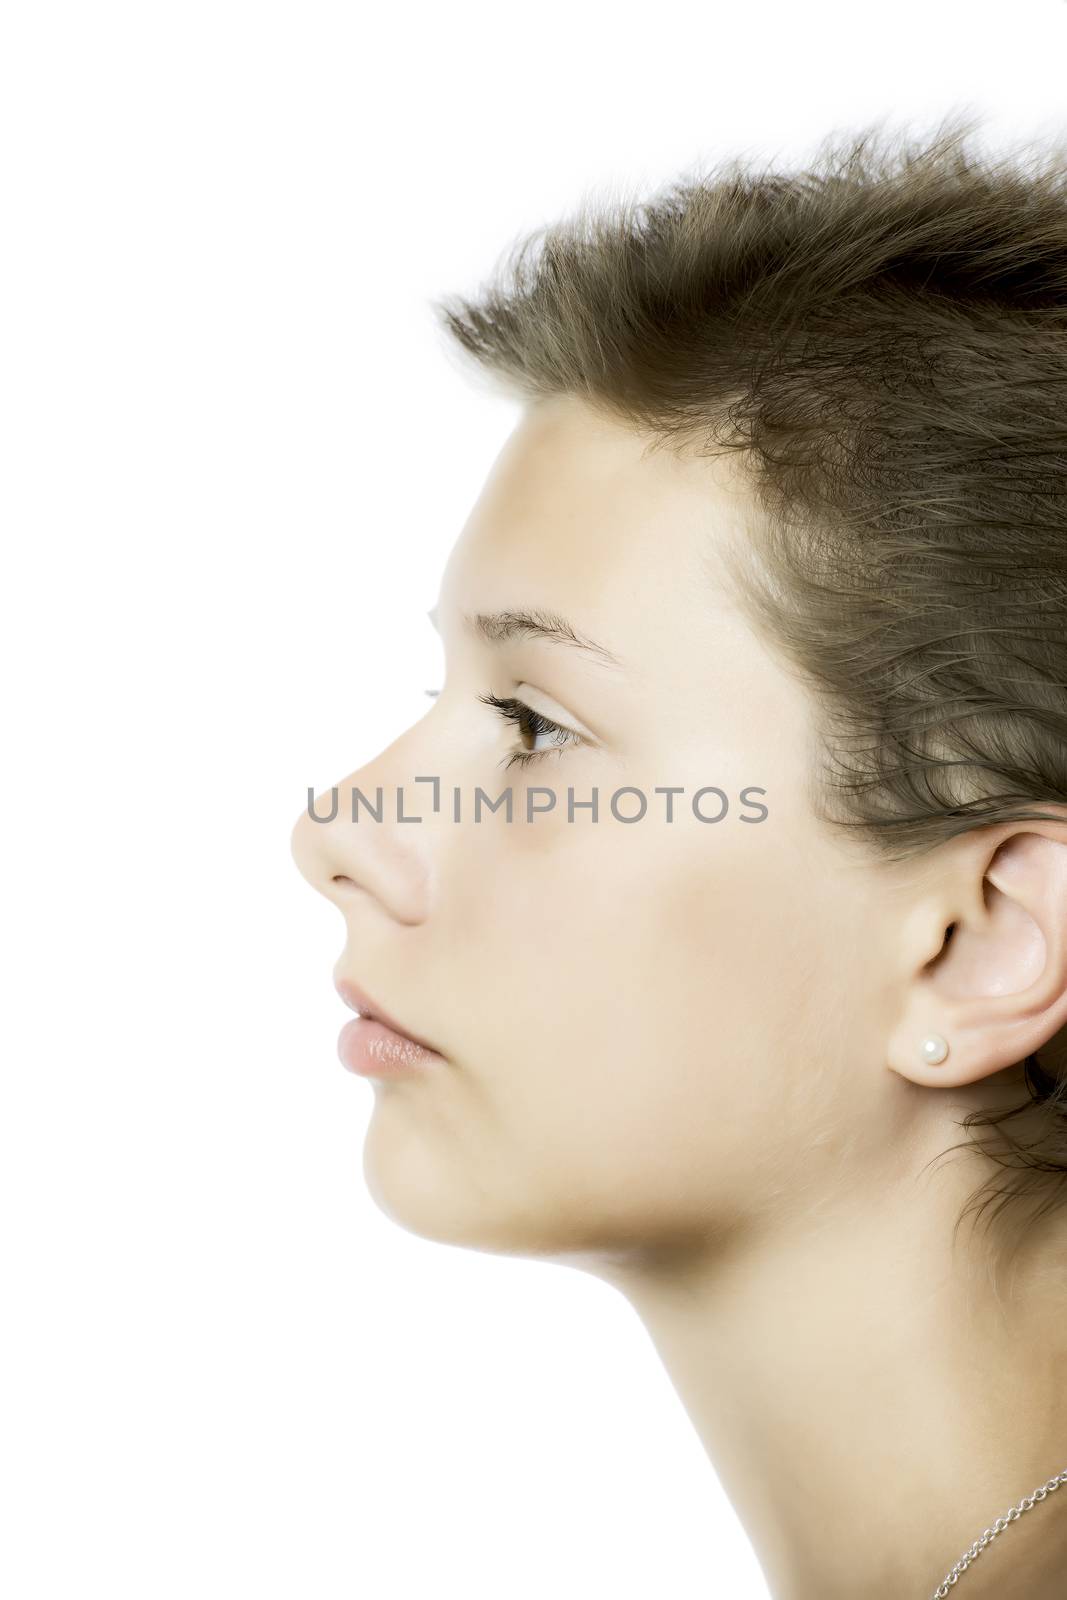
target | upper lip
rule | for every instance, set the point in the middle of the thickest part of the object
(360, 1001)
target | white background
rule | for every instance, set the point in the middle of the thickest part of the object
(235, 455)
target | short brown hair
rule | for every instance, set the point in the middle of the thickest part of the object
(883, 334)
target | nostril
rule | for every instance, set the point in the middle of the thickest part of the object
(339, 877)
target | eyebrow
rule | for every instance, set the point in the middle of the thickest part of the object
(497, 626)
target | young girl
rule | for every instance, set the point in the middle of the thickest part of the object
(725, 880)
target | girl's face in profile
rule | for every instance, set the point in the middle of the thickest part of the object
(655, 1032)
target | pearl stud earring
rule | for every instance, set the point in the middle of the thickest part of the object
(933, 1049)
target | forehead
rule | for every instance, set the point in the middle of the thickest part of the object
(580, 516)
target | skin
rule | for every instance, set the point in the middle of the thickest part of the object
(684, 1057)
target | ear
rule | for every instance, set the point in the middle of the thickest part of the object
(985, 954)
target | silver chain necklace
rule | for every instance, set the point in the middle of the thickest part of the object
(990, 1534)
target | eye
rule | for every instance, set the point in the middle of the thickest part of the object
(531, 725)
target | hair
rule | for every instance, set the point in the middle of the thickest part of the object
(883, 336)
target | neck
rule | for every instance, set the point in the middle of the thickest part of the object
(870, 1399)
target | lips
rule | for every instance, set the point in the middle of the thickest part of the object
(358, 1000)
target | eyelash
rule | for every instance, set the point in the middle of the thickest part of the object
(530, 723)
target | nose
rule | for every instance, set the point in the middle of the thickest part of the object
(350, 856)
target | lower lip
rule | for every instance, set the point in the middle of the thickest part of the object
(369, 1048)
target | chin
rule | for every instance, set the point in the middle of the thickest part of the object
(416, 1192)
(410, 1184)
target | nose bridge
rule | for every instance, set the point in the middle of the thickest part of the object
(368, 834)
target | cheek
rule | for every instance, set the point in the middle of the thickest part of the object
(640, 993)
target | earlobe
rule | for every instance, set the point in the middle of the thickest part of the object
(996, 989)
